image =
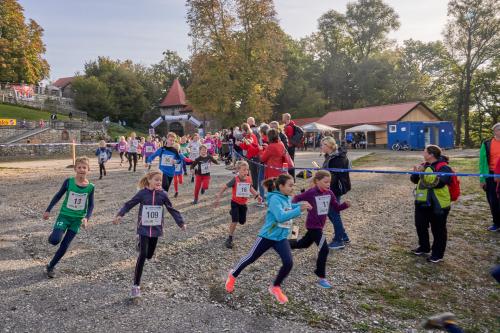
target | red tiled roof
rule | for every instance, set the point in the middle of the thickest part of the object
(305, 121)
(369, 115)
(175, 96)
(63, 82)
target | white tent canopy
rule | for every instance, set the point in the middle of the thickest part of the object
(316, 127)
(365, 128)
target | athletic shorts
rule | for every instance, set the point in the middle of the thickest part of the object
(64, 222)
(238, 212)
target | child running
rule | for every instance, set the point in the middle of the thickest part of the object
(179, 165)
(274, 233)
(148, 149)
(122, 148)
(151, 198)
(194, 149)
(168, 156)
(103, 155)
(321, 198)
(76, 210)
(241, 186)
(201, 167)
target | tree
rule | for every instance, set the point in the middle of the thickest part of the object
(473, 39)
(237, 62)
(92, 95)
(21, 46)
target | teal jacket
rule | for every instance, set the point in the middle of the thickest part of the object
(277, 224)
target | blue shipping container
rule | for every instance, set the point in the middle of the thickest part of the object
(418, 134)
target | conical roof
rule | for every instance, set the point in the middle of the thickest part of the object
(175, 96)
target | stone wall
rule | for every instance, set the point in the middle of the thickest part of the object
(7, 132)
(27, 151)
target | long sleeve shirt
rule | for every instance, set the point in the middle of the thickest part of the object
(201, 165)
(147, 197)
(62, 191)
(321, 202)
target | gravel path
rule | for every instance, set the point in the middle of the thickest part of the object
(183, 285)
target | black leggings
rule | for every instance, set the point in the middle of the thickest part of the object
(147, 247)
(314, 236)
(121, 156)
(260, 247)
(425, 216)
(166, 181)
(55, 238)
(132, 156)
(102, 169)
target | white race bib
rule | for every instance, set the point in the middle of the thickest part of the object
(76, 201)
(209, 145)
(149, 149)
(204, 168)
(167, 160)
(178, 167)
(287, 224)
(133, 146)
(243, 190)
(323, 204)
(103, 156)
(195, 151)
(151, 215)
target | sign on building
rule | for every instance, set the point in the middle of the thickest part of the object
(8, 122)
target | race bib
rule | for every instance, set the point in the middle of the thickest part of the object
(204, 168)
(151, 215)
(178, 167)
(287, 224)
(167, 160)
(243, 190)
(133, 146)
(323, 204)
(149, 149)
(76, 201)
(209, 145)
(103, 156)
(195, 151)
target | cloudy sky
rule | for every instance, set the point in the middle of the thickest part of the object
(77, 31)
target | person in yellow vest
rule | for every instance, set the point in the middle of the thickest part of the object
(432, 203)
(489, 155)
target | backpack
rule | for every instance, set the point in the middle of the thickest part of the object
(454, 186)
(298, 135)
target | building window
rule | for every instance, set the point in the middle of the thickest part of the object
(393, 128)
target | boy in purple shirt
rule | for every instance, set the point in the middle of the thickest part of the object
(321, 198)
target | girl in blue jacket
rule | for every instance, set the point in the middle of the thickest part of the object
(168, 156)
(274, 233)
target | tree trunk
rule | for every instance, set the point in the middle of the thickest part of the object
(458, 125)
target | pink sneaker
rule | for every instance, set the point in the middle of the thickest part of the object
(278, 293)
(230, 282)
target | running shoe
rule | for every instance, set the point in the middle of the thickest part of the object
(278, 294)
(336, 245)
(434, 259)
(202, 191)
(50, 272)
(346, 240)
(439, 321)
(195, 202)
(176, 194)
(230, 282)
(261, 205)
(323, 283)
(135, 292)
(419, 252)
(229, 243)
(493, 228)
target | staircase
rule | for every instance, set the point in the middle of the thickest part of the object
(25, 135)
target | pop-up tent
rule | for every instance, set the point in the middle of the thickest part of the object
(365, 129)
(317, 127)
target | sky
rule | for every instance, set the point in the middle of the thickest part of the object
(77, 31)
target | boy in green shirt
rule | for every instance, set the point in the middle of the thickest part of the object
(76, 209)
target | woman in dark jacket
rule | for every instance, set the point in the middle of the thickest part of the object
(432, 203)
(340, 185)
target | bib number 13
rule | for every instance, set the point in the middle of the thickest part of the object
(76, 201)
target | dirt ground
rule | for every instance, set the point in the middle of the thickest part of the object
(378, 285)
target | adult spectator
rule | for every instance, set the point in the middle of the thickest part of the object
(282, 136)
(489, 155)
(255, 129)
(432, 203)
(340, 184)
(251, 149)
(264, 128)
(289, 132)
(70, 115)
(274, 155)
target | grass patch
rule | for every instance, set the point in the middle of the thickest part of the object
(364, 160)
(405, 305)
(467, 164)
(115, 131)
(20, 113)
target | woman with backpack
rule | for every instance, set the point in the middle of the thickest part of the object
(340, 184)
(432, 203)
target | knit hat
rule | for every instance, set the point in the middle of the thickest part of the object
(495, 126)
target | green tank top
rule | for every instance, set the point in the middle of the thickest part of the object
(76, 201)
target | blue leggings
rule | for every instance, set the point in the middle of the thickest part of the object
(260, 247)
(54, 239)
(453, 328)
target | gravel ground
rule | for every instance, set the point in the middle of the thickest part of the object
(378, 286)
